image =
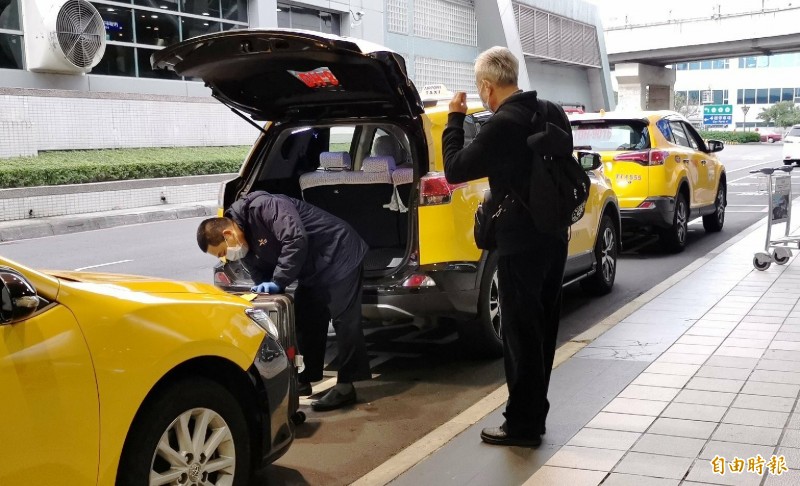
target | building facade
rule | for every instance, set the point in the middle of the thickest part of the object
(757, 82)
(123, 102)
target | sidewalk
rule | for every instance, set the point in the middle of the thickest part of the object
(710, 368)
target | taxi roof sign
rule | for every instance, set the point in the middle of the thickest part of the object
(436, 92)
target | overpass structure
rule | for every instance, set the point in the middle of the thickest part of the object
(640, 51)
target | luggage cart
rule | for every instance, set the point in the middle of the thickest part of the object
(779, 191)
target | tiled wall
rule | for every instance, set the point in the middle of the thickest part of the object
(12, 209)
(29, 123)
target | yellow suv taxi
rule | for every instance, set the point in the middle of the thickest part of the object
(111, 379)
(663, 172)
(349, 133)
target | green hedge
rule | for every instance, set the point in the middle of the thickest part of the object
(84, 166)
(736, 137)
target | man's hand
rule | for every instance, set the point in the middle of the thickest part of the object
(267, 288)
(459, 103)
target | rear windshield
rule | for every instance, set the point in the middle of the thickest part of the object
(615, 135)
(793, 132)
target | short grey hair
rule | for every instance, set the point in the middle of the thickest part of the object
(497, 65)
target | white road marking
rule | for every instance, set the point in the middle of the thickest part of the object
(101, 265)
(749, 166)
(695, 221)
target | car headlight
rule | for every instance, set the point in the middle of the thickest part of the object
(262, 319)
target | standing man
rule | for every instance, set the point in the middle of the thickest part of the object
(279, 240)
(531, 263)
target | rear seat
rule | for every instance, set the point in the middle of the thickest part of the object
(402, 179)
(359, 197)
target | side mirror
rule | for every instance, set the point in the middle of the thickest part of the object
(714, 146)
(589, 160)
(18, 299)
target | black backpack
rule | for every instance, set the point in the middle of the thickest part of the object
(559, 186)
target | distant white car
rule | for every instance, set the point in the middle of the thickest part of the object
(791, 146)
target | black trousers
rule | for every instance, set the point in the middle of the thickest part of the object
(530, 290)
(314, 308)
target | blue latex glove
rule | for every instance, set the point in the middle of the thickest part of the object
(267, 288)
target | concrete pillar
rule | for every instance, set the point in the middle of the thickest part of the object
(498, 27)
(644, 87)
(262, 13)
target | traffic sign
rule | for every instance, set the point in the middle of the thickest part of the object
(717, 119)
(718, 110)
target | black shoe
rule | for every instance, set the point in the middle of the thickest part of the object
(334, 399)
(498, 436)
(304, 389)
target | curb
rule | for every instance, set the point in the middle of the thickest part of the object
(74, 224)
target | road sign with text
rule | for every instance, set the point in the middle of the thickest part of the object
(717, 115)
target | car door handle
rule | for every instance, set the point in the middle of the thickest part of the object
(685, 161)
(703, 162)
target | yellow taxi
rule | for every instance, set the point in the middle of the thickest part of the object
(663, 172)
(349, 133)
(111, 379)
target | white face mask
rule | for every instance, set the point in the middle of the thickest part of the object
(485, 103)
(237, 252)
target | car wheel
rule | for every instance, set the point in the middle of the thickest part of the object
(483, 337)
(193, 433)
(674, 237)
(788, 162)
(606, 248)
(770, 140)
(714, 222)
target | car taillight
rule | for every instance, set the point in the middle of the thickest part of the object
(220, 278)
(644, 157)
(434, 189)
(647, 205)
(417, 281)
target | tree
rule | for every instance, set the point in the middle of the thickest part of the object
(683, 107)
(783, 114)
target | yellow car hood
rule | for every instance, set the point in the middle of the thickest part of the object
(136, 283)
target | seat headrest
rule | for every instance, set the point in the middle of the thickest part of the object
(382, 163)
(335, 161)
(388, 145)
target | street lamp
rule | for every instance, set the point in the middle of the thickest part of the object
(745, 109)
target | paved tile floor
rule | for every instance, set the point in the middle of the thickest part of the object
(722, 384)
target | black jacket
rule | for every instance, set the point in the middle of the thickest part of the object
(500, 152)
(292, 240)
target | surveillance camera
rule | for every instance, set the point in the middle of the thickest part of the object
(357, 15)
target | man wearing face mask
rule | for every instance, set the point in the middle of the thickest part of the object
(280, 239)
(530, 266)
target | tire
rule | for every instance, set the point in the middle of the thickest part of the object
(714, 222)
(788, 162)
(770, 140)
(196, 401)
(760, 264)
(674, 237)
(483, 337)
(606, 248)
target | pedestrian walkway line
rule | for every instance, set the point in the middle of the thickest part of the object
(433, 441)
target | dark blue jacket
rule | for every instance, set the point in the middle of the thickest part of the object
(292, 240)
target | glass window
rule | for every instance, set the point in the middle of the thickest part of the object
(725, 99)
(747, 62)
(157, 29)
(694, 97)
(719, 97)
(329, 23)
(705, 64)
(146, 71)
(284, 16)
(678, 134)
(10, 51)
(118, 22)
(761, 96)
(762, 61)
(796, 92)
(720, 64)
(693, 66)
(739, 96)
(774, 95)
(117, 61)
(786, 94)
(681, 66)
(162, 4)
(665, 129)
(207, 8)
(194, 27)
(749, 96)
(235, 10)
(691, 136)
(613, 135)
(706, 97)
(9, 15)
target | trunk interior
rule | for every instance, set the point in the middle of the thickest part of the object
(361, 173)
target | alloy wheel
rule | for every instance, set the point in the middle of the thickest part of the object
(720, 206)
(607, 254)
(495, 314)
(197, 449)
(681, 221)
